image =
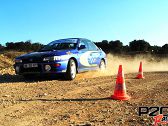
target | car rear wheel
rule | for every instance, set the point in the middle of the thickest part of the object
(102, 65)
(71, 70)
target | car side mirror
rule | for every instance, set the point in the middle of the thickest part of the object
(82, 47)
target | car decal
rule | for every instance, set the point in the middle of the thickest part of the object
(87, 60)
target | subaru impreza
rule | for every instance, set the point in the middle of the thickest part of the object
(65, 56)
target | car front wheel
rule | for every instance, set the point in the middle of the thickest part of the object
(71, 70)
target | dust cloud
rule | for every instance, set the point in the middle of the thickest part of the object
(130, 65)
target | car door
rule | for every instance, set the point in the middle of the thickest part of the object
(83, 56)
(94, 58)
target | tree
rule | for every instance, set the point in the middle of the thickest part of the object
(155, 49)
(36, 46)
(10, 45)
(104, 41)
(104, 46)
(164, 49)
(116, 46)
(28, 45)
(1, 47)
(23, 46)
(126, 49)
(139, 45)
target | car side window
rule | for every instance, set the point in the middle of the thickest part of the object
(82, 42)
(92, 46)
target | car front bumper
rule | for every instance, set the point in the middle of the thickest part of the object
(56, 67)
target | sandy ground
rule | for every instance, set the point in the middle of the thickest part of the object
(81, 102)
(84, 101)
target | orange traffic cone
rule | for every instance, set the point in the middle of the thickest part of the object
(140, 74)
(120, 88)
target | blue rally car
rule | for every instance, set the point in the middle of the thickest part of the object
(67, 56)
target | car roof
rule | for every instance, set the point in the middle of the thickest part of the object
(73, 40)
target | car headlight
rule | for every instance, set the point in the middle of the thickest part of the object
(18, 61)
(53, 58)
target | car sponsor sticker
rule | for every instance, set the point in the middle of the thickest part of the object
(87, 59)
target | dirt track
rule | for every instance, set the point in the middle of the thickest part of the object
(82, 102)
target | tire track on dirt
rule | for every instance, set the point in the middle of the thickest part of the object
(19, 114)
(147, 87)
(87, 88)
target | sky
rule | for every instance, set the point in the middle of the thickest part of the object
(47, 20)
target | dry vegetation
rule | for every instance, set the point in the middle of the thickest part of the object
(7, 61)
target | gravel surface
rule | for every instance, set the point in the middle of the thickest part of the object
(81, 102)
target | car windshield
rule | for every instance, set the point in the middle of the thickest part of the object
(62, 44)
(59, 46)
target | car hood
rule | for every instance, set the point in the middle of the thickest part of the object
(46, 54)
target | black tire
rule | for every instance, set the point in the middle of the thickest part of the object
(71, 70)
(102, 65)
